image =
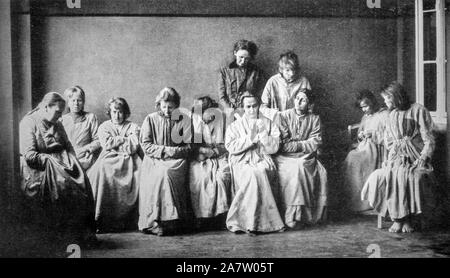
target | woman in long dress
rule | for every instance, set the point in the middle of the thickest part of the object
(250, 140)
(404, 186)
(281, 89)
(209, 172)
(81, 128)
(57, 191)
(302, 177)
(369, 153)
(115, 175)
(164, 190)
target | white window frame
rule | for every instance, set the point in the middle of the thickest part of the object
(440, 115)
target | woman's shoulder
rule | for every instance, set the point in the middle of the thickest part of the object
(28, 121)
(90, 116)
(132, 124)
(152, 116)
(274, 78)
(105, 124)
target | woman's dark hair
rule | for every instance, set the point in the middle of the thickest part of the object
(368, 96)
(207, 102)
(119, 103)
(247, 94)
(168, 94)
(399, 95)
(289, 58)
(246, 45)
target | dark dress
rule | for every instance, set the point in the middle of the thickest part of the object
(56, 188)
(233, 82)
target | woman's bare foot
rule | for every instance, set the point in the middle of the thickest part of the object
(407, 227)
(396, 227)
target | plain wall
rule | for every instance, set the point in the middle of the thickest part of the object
(135, 57)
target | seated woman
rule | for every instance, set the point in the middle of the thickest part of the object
(250, 140)
(369, 153)
(81, 128)
(303, 179)
(164, 193)
(115, 174)
(280, 90)
(57, 191)
(209, 173)
(404, 184)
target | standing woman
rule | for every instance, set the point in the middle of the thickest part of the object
(81, 127)
(164, 191)
(370, 152)
(240, 76)
(209, 172)
(403, 187)
(115, 175)
(54, 183)
(302, 177)
(281, 89)
(250, 140)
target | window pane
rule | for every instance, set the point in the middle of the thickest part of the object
(429, 36)
(429, 4)
(429, 79)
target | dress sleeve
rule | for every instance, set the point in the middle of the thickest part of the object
(288, 144)
(131, 140)
(236, 144)
(270, 138)
(266, 95)
(95, 143)
(223, 97)
(426, 126)
(108, 140)
(28, 145)
(314, 140)
(148, 142)
(185, 148)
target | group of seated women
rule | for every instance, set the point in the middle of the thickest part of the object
(258, 172)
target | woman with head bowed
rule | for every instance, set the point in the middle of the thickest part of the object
(302, 177)
(56, 188)
(240, 76)
(370, 151)
(81, 127)
(404, 186)
(250, 140)
(115, 174)
(209, 172)
(164, 189)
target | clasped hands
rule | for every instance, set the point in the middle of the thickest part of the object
(258, 132)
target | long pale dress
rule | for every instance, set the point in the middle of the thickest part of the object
(164, 189)
(57, 190)
(115, 176)
(303, 179)
(279, 95)
(400, 188)
(209, 178)
(365, 158)
(82, 132)
(254, 175)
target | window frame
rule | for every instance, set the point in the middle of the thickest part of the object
(440, 115)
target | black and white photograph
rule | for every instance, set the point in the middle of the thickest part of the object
(243, 130)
